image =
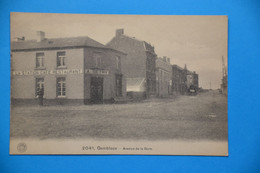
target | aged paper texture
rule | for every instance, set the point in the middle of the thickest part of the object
(118, 84)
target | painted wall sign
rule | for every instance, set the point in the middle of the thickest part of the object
(96, 71)
(63, 71)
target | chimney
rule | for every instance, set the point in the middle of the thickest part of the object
(185, 67)
(40, 36)
(164, 58)
(119, 32)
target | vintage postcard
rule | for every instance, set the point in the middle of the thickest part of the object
(118, 84)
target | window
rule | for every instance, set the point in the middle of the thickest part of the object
(118, 62)
(97, 59)
(39, 86)
(61, 87)
(118, 85)
(61, 59)
(39, 60)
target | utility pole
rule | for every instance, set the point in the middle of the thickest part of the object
(224, 73)
(222, 67)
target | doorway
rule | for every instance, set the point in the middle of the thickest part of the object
(96, 90)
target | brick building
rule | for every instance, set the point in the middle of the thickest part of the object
(68, 70)
(139, 64)
(163, 77)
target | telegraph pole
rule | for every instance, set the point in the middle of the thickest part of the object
(223, 65)
(224, 72)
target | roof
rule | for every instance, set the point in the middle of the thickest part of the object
(132, 38)
(178, 67)
(147, 47)
(52, 43)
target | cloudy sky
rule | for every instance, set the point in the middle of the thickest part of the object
(198, 41)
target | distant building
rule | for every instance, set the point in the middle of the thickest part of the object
(68, 70)
(196, 80)
(192, 79)
(182, 79)
(179, 79)
(139, 64)
(163, 77)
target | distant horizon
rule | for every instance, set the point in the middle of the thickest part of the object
(197, 41)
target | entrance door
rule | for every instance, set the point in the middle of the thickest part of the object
(96, 91)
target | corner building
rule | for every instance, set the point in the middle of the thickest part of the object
(76, 70)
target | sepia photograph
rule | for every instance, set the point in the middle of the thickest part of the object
(118, 84)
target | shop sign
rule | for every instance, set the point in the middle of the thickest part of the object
(96, 71)
(59, 72)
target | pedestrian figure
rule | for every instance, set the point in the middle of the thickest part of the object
(40, 96)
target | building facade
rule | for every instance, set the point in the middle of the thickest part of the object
(67, 70)
(183, 79)
(163, 77)
(192, 79)
(179, 80)
(139, 64)
(196, 80)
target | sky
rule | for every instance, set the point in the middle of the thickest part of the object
(197, 41)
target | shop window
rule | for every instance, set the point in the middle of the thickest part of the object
(39, 87)
(61, 59)
(118, 85)
(39, 60)
(61, 87)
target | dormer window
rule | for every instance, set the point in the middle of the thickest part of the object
(61, 59)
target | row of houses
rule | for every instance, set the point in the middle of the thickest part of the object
(148, 74)
(81, 70)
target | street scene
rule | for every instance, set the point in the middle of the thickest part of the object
(185, 117)
(119, 81)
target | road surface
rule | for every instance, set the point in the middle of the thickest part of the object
(201, 117)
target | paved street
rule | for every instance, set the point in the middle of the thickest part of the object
(186, 117)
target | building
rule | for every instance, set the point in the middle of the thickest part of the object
(182, 79)
(196, 80)
(192, 79)
(163, 77)
(139, 64)
(76, 70)
(179, 80)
